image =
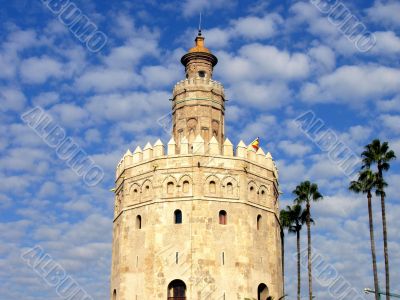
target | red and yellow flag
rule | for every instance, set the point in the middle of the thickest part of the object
(256, 143)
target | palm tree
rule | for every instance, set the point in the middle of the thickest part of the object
(379, 154)
(293, 219)
(365, 183)
(283, 217)
(307, 192)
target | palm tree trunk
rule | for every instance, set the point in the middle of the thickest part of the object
(372, 238)
(283, 259)
(309, 251)
(385, 243)
(298, 266)
(385, 247)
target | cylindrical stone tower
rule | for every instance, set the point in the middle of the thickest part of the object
(200, 220)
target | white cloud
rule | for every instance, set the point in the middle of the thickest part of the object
(387, 42)
(122, 107)
(294, 149)
(161, 76)
(191, 7)
(12, 99)
(323, 58)
(257, 61)
(253, 27)
(93, 135)
(37, 70)
(392, 122)
(339, 205)
(249, 28)
(390, 105)
(217, 37)
(129, 55)
(353, 85)
(105, 80)
(48, 189)
(46, 98)
(262, 96)
(69, 114)
(304, 12)
(386, 13)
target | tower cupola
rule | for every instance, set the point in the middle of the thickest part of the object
(199, 61)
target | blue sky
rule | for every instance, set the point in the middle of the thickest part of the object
(277, 60)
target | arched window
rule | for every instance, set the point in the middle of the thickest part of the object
(223, 217)
(138, 222)
(178, 216)
(229, 188)
(170, 187)
(115, 295)
(186, 186)
(259, 219)
(213, 187)
(177, 290)
(262, 292)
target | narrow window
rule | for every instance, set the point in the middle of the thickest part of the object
(138, 222)
(262, 292)
(186, 186)
(177, 290)
(115, 295)
(137, 261)
(229, 188)
(223, 258)
(177, 257)
(147, 190)
(170, 187)
(222, 217)
(135, 194)
(259, 219)
(213, 187)
(178, 216)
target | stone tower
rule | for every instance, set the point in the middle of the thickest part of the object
(196, 219)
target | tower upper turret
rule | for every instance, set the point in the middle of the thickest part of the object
(198, 105)
(199, 61)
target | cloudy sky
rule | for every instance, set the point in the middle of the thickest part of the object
(278, 60)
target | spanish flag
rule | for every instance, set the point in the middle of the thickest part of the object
(256, 143)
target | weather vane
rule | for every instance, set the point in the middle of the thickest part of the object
(200, 23)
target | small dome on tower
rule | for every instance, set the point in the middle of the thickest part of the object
(200, 46)
(199, 52)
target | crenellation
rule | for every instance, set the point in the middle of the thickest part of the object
(228, 148)
(270, 163)
(137, 155)
(251, 153)
(241, 150)
(158, 149)
(260, 157)
(213, 147)
(171, 147)
(198, 145)
(184, 146)
(128, 159)
(194, 84)
(148, 152)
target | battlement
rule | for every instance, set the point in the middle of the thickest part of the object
(204, 83)
(215, 150)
